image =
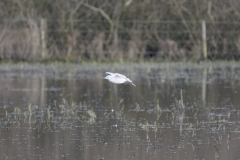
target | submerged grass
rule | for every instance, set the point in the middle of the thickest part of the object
(61, 115)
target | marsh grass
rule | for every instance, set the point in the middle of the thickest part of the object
(58, 116)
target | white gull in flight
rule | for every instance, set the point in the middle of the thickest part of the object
(117, 78)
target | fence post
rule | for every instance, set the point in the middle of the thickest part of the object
(43, 37)
(204, 40)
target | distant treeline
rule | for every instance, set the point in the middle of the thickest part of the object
(118, 29)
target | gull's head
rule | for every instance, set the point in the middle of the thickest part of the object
(107, 77)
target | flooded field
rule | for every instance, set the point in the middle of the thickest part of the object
(176, 111)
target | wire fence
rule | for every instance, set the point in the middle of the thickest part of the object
(34, 39)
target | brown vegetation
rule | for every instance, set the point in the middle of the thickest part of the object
(131, 29)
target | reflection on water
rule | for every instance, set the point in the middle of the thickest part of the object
(176, 111)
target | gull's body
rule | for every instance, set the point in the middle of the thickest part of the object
(117, 78)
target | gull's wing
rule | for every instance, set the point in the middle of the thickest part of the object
(133, 84)
(109, 73)
(120, 75)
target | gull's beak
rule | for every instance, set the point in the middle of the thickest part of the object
(104, 78)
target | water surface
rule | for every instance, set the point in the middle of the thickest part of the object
(176, 111)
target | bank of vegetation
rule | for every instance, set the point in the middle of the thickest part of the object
(119, 30)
